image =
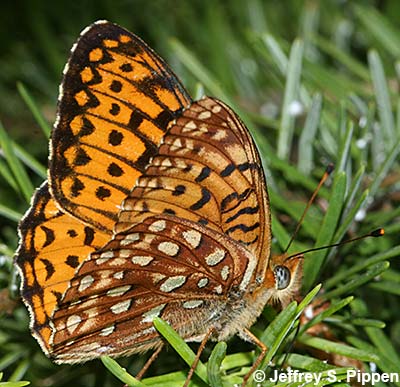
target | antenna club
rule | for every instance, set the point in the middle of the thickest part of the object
(378, 233)
(330, 168)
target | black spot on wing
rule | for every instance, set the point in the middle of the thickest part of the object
(241, 167)
(234, 196)
(72, 233)
(242, 227)
(77, 187)
(49, 235)
(203, 222)
(255, 239)
(115, 170)
(243, 211)
(169, 211)
(72, 261)
(135, 120)
(116, 86)
(49, 268)
(179, 190)
(205, 172)
(115, 109)
(87, 127)
(81, 158)
(115, 137)
(102, 193)
(89, 236)
(126, 67)
(227, 170)
(245, 166)
(205, 198)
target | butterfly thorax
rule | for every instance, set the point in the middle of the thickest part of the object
(242, 307)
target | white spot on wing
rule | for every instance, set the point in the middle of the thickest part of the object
(152, 313)
(192, 237)
(104, 257)
(121, 307)
(158, 225)
(130, 238)
(121, 260)
(166, 162)
(225, 272)
(190, 126)
(218, 289)
(192, 304)
(215, 257)
(204, 115)
(107, 331)
(118, 275)
(177, 143)
(85, 282)
(58, 117)
(168, 248)
(251, 265)
(142, 260)
(216, 109)
(202, 282)
(72, 323)
(220, 134)
(172, 283)
(115, 292)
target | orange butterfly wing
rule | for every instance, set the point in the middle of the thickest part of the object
(115, 103)
(53, 245)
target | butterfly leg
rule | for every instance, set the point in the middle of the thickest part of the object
(148, 363)
(255, 340)
(199, 352)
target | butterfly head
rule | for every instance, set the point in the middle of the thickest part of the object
(287, 274)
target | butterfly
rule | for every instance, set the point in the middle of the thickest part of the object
(155, 206)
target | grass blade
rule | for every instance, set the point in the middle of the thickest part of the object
(307, 137)
(180, 346)
(358, 281)
(290, 98)
(34, 109)
(382, 96)
(214, 364)
(341, 349)
(15, 165)
(120, 372)
(315, 260)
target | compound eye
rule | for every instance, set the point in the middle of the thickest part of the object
(282, 277)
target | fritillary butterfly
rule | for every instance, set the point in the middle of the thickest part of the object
(155, 206)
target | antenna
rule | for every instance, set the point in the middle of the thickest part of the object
(375, 234)
(328, 171)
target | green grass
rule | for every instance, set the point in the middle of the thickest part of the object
(339, 61)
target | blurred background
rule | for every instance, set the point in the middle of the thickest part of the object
(299, 72)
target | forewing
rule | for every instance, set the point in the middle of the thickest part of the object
(116, 100)
(165, 267)
(52, 246)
